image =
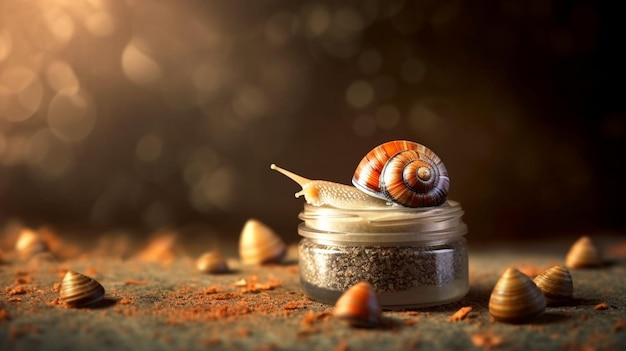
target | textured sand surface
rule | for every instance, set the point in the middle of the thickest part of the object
(158, 301)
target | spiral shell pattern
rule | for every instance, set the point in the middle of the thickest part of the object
(79, 290)
(404, 172)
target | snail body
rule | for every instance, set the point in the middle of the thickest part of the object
(397, 172)
(322, 192)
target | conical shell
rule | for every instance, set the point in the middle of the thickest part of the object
(583, 253)
(211, 262)
(79, 290)
(515, 298)
(29, 243)
(259, 244)
(556, 285)
(358, 306)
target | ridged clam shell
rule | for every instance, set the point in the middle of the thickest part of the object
(78, 290)
(259, 244)
(583, 253)
(29, 243)
(515, 298)
(211, 262)
(556, 285)
(358, 306)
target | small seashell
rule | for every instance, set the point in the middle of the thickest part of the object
(583, 253)
(515, 298)
(78, 290)
(358, 306)
(259, 244)
(211, 262)
(556, 285)
(29, 243)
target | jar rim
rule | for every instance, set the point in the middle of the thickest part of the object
(383, 225)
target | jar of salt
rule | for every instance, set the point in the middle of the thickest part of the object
(412, 257)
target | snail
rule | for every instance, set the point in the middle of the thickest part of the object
(582, 254)
(211, 262)
(78, 290)
(397, 172)
(515, 298)
(259, 244)
(556, 284)
(358, 306)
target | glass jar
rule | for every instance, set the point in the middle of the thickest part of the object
(412, 257)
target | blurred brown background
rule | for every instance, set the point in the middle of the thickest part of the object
(149, 114)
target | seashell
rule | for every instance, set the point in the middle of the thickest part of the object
(515, 298)
(358, 306)
(78, 290)
(211, 262)
(583, 253)
(556, 285)
(29, 243)
(259, 244)
(404, 172)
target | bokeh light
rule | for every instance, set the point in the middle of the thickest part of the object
(21, 93)
(139, 67)
(155, 113)
(71, 116)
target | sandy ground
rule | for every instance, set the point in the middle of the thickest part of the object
(157, 300)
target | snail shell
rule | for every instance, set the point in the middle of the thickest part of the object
(211, 262)
(78, 290)
(29, 244)
(259, 244)
(515, 298)
(583, 253)
(556, 285)
(358, 306)
(404, 172)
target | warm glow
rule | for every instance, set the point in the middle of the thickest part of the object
(161, 111)
(140, 68)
